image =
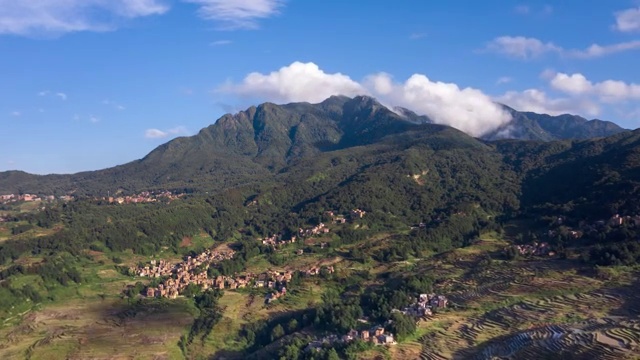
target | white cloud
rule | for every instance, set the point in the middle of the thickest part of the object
(417, 36)
(537, 101)
(155, 134)
(531, 48)
(628, 20)
(529, 10)
(596, 50)
(16, 113)
(504, 80)
(37, 17)
(94, 119)
(467, 109)
(113, 104)
(220, 42)
(237, 14)
(294, 83)
(160, 134)
(572, 84)
(608, 91)
(521, 47)
(46, 93)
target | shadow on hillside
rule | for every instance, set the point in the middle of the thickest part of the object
(501, 348)
(631, 300)
(149, 312)
(227, 355)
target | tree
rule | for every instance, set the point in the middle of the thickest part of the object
(292, 326)
(332, 354)
(277, 332)
(402, 325)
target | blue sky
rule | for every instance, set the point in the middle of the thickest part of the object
(88, 84)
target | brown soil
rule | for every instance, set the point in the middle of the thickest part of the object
(186, 241)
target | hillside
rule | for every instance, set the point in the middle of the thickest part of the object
(542, 127)
(260, 141)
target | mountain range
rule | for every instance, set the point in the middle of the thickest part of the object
(255, 145)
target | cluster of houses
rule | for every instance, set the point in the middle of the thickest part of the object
(615, 221)
(559, 226)
(535, 249)
(316, 230)
(584, 227)
(143, 197)
(193, 271)
(341, 219)
(5, 199)
(277, 241)
(376, 335)
(424, 305)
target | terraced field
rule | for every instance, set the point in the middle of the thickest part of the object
(507, 312)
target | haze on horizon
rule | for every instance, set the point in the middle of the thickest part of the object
(88, 84)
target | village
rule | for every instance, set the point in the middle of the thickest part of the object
(277, 240)
(559, 228)
(377, 335)
(14, 198)
(423, 307)
(143, 197)
(193, 271)
(584, 227)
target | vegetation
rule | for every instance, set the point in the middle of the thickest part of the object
(440, 213)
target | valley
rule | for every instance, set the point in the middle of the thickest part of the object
(328, 231)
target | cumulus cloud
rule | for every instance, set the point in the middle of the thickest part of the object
(467, 109)
(579, 95)
(160, 134)
(538, 101)
(628, 20)
(62, 95)
(572, 84)
(294, 83)
(530, 48)
(63, 16)
(609, 91)
(237, 14)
